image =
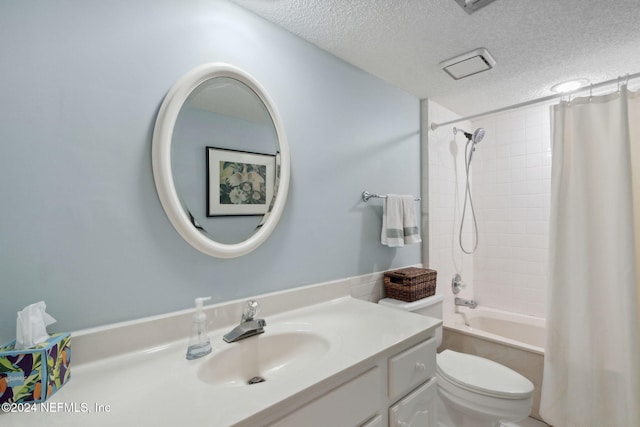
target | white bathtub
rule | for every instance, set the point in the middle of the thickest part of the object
(513, 329)
(514, 340)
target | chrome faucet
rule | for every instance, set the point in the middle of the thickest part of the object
(248, 326)
(466, 302)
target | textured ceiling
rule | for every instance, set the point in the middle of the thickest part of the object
(536, 43)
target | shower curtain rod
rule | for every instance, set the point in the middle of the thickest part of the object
(626, 78)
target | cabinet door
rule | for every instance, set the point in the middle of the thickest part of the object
(418, 408)
(411, 368)
(350, 404)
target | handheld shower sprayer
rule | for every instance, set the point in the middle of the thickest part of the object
(478, 135)
(473, 139)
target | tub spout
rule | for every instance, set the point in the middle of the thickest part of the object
(466, 302)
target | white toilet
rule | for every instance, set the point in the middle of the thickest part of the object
(472, 391)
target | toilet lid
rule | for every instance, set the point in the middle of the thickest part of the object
(482, 376)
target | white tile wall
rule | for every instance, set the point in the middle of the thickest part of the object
(510, 183)
(511, 174)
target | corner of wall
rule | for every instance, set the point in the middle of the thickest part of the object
(424, 179)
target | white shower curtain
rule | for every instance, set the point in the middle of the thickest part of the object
(592, 355)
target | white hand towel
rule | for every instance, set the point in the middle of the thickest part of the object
(392, 218)
(410, 221)
(399, 221)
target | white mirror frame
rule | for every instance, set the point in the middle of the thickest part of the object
(161, 160)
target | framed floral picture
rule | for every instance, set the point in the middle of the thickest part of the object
(239, 182)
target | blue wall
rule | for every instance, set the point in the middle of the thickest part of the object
(81, 226)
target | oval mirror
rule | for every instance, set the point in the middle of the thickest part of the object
(220, 160)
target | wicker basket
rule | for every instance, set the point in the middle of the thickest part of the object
(410, 284)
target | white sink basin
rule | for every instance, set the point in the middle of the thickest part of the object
(267, 356)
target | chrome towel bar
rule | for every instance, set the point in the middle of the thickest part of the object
(366, 196)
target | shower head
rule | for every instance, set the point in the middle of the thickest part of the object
(475, 137)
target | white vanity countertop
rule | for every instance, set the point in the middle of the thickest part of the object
(160, 387)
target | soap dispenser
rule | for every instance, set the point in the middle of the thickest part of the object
(199, 344)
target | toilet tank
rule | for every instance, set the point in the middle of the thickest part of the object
(430, 306)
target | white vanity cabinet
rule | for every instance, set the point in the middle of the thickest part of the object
(335, 362)
(417, 409)
(412, 378)
(398, 389)
(350, 404)
(411, 367)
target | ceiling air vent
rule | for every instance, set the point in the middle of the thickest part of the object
(470, 63)
(471, 6)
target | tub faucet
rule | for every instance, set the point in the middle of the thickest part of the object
(248, 326)
(466, 302)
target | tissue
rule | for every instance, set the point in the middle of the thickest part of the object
(31, 326)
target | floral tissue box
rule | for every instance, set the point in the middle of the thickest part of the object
(34, 374)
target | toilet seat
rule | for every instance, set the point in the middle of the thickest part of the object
(482, 376)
